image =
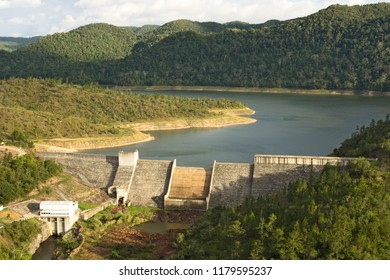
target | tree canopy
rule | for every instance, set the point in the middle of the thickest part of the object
(342, 214)
(340, 47)
(20, 175)
(49, 108)
(372, 141)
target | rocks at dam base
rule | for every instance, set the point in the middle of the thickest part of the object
(159, 183)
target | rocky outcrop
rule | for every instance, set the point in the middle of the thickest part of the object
(42, 236)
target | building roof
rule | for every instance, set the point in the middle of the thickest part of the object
(57, 205)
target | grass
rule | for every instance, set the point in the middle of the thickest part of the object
(87, 206)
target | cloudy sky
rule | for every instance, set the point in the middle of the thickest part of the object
(40, 17)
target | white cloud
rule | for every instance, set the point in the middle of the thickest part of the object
(19, 3)
(69, 14)
(20, 20)
(139, 12)
(67, 23)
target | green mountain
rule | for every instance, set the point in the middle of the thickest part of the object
(93, 42)
(144, 29)
(337, 48)
(340, 47)
(156, 34)
(13, 43)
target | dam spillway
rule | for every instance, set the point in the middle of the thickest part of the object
(189, 189)
(163, 184)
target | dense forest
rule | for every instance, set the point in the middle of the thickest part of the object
(49, 108)
(14, 43)
(340, 47)
(16, 238)
(372, 141)
(20, 175)
(342, 214)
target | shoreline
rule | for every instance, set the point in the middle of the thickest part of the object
(229, 117)
(196, 123)
(255, 90)
(43, 147)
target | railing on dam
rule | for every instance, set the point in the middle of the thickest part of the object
(300, 160)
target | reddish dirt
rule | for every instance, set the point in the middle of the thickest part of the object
(12, 215)
(119, 234)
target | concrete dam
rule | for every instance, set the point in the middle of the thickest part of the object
(160, 183)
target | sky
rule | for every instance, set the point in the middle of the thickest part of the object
(27, 18)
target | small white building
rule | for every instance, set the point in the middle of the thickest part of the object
(61, 215)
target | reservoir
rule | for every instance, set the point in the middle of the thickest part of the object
(290, 124)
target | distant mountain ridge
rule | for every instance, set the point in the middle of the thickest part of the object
(14, 43)
(340, 47)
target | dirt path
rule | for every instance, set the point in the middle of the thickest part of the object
(16, 151)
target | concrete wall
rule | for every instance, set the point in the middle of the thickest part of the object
(93, 170)
(128, 158)
(272, 178)
(273, 173)
(122, 181)
(300, 160)
(150, 183)
(86, 214)
(231, 184)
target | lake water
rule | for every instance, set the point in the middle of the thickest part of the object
(291, 124)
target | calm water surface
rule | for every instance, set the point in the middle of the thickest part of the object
(46, 249)
(292, 124)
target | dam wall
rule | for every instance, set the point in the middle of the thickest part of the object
(231, 184)
(93, 170)
(124, 176)
(160, 183)
(150, 183)
(273, 173)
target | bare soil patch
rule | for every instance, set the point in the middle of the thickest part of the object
(10, 214)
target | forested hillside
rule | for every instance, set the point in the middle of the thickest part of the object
(94, 42)
(337, 48)
(20, 175)
(14, 43)
(49, 108)
(343, 214)
(372, 141)
(340, 47)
